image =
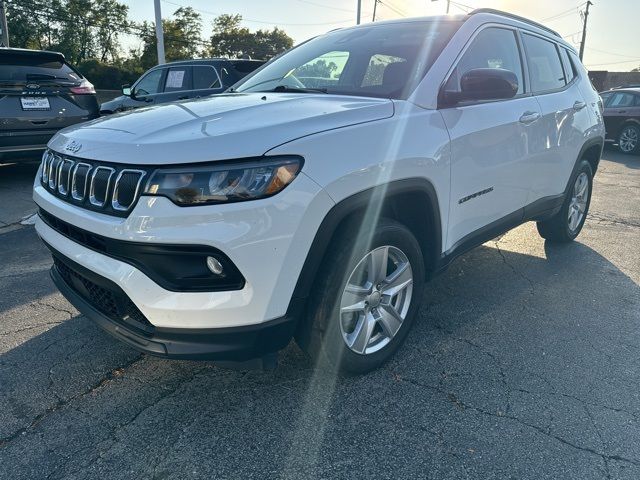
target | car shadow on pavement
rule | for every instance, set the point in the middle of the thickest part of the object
(513, 356)
(629, 161)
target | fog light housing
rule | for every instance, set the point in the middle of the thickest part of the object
(214, 265)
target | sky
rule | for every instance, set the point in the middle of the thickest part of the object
(613, 36)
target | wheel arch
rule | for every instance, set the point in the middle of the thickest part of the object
(591, 151)
(413, 202)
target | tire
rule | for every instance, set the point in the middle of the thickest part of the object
(629, 139)
(562, 228)
(375, 333)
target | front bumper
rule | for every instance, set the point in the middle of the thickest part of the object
(116, 314)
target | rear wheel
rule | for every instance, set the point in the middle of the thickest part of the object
(629, 139)
(568, 222)
(366, 298)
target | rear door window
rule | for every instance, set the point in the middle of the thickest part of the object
(205, 76)
(545, 67)
(492, 48)
(178, 79)
(621, 99)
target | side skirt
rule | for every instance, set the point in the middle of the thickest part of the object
(541, 209)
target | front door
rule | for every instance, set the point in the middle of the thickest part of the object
(490, 142)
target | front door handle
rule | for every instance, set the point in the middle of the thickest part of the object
(579, 105)
(529, 117)
(622, 111)
(185, 97)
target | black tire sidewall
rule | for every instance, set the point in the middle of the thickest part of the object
(326, 338)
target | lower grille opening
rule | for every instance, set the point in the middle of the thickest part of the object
(110, 301)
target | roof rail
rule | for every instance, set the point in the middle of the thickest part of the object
(515, 17)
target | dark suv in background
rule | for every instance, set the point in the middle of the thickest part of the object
(179, 81)
(622, 118)
(40, 93)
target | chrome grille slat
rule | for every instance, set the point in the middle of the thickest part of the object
(74, 181)
(92, 187)
(115, 200)
(109, 188)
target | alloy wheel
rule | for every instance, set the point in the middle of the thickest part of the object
(376, 300)
(628, 139)
(579, 199)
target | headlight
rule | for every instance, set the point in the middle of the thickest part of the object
(224, 183)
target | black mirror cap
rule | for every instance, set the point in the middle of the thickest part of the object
(484, 84)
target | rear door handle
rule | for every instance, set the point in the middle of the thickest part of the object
(529, 117)
(183, 98)
(622, 111)
(579, 105)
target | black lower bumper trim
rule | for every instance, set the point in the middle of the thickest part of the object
(233, 344)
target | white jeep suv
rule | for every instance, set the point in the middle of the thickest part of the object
(315, 198)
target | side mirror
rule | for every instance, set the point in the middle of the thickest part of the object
(126, 90)
(484, 84)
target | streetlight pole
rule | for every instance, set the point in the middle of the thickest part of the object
(359, 14)
(159, 33)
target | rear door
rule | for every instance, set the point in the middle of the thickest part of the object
(36, 95)
(490, 141)
(565, 116)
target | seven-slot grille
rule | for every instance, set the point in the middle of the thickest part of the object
(109, 188)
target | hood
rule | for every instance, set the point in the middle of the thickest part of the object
(218, 127)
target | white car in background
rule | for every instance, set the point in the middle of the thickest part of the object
(315, 198)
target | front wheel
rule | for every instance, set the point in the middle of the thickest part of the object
(366, 298)
(629, 139)
(568, 222)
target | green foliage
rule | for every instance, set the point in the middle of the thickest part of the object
(88, 33)
(110, 76)
(231, 40)
(80, 29)
(181, 38)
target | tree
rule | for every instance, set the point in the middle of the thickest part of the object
(80, 29)
(231, 40)
(182, 37)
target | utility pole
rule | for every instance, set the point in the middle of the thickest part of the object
(359, 14)
(375, 7)
(584, 29)
(159, 33)
(448, 5)
(4, 29)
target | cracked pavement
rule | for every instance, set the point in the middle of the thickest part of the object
(524, 364)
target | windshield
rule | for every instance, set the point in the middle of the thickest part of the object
(377, 61)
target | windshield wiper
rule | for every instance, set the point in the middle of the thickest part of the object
(287, 88)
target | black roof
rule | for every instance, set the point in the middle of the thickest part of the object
(208, 61)
(25, 52)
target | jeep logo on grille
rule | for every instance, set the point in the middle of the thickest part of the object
(73, 147)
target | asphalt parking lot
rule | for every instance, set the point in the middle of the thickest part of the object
(525, 363)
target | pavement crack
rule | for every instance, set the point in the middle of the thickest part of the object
(60, 403)
(28, 327)
(463, 406)
(514, 269)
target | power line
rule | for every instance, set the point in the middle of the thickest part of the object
(326, 6)
(611, 53)
(262, 22)
(563, 14)
(392, 8)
